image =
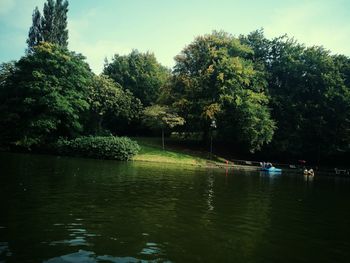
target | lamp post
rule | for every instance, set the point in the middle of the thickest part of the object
(212, 126)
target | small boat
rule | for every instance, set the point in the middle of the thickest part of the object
(271, 169)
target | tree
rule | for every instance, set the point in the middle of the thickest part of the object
(309, 95)
(48, 27)
(51, 27)
(45, 96)
(106, 98)
(324, 101)
(35, 32)
(6, 71)
(342, 63)
(162, 117)
(140, 73)
(60, 23)
(215, 79)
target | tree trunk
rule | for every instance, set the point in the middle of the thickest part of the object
(163, 138)
(206, 136)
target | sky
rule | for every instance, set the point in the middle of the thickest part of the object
(101, 28)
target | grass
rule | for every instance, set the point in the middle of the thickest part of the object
(151, 151)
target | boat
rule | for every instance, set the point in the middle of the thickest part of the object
(271, 169)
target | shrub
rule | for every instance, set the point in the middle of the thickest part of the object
(100, 147)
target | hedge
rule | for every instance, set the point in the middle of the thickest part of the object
(100, 147)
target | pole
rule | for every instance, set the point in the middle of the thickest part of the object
(212, 126)
(211, 144)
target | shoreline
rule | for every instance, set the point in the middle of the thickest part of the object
(196, 162)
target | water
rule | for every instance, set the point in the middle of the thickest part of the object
(60, 210)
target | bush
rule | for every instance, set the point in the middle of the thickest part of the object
(109, 147)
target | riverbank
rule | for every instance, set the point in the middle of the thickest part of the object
(178, 154)
(182, 154)
(151, 151)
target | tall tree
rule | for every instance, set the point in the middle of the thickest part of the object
(35, 32)
(215, 79)
(48, 26)
(45, 96)
(51, 26)
(309, 92)
(60, 22)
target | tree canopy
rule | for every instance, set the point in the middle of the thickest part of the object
(107, 98)
(259, 92)
(162, 117)
(45, 96)
(215, 79)
(51, 26)
(140, 73)
(309, 92)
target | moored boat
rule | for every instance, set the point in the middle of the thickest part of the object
(271, 169)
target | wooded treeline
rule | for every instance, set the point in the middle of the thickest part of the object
(274, 95)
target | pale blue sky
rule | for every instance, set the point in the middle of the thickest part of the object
(101, 28)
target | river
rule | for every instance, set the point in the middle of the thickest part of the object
(59, 210)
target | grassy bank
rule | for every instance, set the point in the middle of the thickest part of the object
(151, 151)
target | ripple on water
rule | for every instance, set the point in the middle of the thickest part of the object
(77, 233)
(83, 256)
(111, 209)
(4, 250)
(151, 249)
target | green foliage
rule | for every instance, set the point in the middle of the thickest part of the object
(60, 23)
(159, 117)
(48, 27)
(107, 98)
(6, 70)
(35, 31)
(216, 79)
(257, 90)
(51, 27)
(310, 95)
(110, 147)
(140, 73)
(45, 96)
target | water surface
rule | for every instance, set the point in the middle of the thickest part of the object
(60, 210)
